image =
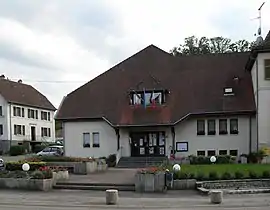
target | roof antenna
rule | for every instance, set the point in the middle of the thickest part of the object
(259, 39)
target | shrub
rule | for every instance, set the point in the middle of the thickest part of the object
(111, 160)
(59, 159)
(226, 176)
(17, 166)
(37, 175)
(13, 174)
(16, 150)
(252, 175)
(201, 176)
(266, 174)
(239, 175)
(202, 160)
(225, 159)
(255, 157)
(213, 175)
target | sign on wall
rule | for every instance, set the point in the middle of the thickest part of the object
(182, 146)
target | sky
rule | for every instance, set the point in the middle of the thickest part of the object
(59, 45)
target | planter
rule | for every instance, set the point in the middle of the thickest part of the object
(150, 182)
(91, 167)
(26, 184)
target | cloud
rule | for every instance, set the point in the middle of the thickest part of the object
(69, 40)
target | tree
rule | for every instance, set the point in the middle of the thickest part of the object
(198, 46)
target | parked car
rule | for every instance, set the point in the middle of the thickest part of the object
(56, 150)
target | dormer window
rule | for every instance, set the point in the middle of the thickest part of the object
(147, 98)
(228, 91)
(267, 69)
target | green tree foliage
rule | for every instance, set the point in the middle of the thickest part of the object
(198, 46)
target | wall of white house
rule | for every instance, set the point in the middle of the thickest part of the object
(29, 122)
(187, 132)
(3, 118)
(73, 137)
(264, 99)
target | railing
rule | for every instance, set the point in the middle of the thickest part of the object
(119, 154)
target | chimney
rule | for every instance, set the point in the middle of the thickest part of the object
(2, 76)
(19, 81)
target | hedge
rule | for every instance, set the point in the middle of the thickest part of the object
(17, 166)
(16, 150)
(202, 160)
(58, 159)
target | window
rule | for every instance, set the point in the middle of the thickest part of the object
(86, 140)
(211, 153)
(233, 126)
(1, 111)
(18, 111)
(200, 127)
(234, 152)
(181, 146)
(148, 98)
(19, 130)
(211, 127)
(32, 113)
(201, 153)
(223, 126)
(267, 69)
(45, 116)
(222, 152)
(96, 139)
(45, 132)
(1, 129)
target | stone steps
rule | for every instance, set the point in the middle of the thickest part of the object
(95, 186)
(140, 162)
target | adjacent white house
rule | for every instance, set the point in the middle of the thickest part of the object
(156, 104)
(26, 116)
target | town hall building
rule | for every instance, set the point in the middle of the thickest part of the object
(154, 104)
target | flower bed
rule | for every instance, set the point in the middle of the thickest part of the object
(48, 159)
(17, 166)
(150, 180)
(33, 180)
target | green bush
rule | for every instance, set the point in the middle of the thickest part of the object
(16, 150)
(17, 166)
(202, 160)
(111, 160)
(213, 175)
(201, 176)
(252, 175)
(58, 159)
(226, 176)
(239, 175)
(266, 174)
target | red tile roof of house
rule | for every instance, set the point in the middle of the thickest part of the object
(195, 84)
(23, 94)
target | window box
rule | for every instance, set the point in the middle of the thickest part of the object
(95, 145)
(200, 133)
(223, 132)
(234, 132)
(211, 133)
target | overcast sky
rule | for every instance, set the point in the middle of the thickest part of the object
(45, 41)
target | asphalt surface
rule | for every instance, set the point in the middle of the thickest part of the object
(80, 200)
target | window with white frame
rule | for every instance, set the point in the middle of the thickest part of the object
(18, 111)
(223, 126)
(45, 132)
(1, 111)
(86, 140)
(200, 127)
(19, 130)
(33, 114)
(267, 69)
(45, 116)
(233, 126)
(211, 127)
(96, 139)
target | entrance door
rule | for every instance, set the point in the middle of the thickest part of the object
(33, 133)
(148, 144)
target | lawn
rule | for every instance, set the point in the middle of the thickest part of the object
(220, 169)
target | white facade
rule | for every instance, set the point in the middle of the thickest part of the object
(185, 131)
(262, 91)
(28, 129)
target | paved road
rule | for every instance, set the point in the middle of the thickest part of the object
(80, 200)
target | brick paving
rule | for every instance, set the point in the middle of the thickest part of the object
(113, 175)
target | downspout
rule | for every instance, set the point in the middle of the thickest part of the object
(10, 126)
(257, 101)
(173, 140)
(250, 134)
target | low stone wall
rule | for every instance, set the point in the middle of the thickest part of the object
(26, 184)
(147, 182)
(235, 184)
(81, 168)
(184, 184)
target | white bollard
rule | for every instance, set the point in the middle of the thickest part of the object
(216, 196)
(111, 197)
